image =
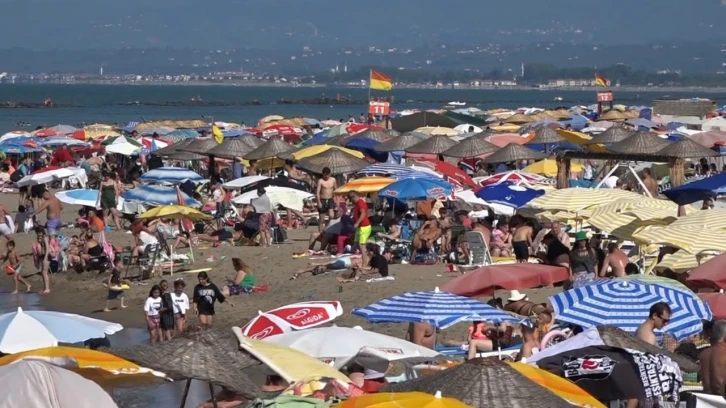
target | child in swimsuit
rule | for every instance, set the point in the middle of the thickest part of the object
(14, 267)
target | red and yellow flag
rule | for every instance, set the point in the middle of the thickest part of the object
(601, 80)
(380, 81)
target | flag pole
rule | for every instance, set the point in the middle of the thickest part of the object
(370, 75)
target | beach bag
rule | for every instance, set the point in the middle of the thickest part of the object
(279, 235)
(16, 176)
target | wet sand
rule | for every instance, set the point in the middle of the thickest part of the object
(85, 294)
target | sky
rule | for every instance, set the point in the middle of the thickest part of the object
(292, 24)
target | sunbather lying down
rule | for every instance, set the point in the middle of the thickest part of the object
(220, 236)
(377, 266)
(319, 268)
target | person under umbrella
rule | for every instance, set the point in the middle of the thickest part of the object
(658, 318)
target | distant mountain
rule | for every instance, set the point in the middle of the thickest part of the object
(703, 57)
(292, 24)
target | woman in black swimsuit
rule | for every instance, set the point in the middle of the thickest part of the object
(205, 294)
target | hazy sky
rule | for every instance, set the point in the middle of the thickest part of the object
(270, 24)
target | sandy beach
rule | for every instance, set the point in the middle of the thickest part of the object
(85, 294)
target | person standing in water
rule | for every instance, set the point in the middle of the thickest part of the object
(205, 294)
(326, 203)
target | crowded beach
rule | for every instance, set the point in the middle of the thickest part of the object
(458, 258)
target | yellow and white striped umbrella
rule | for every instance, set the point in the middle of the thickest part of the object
(632, 203)
(578, 199)
(666, 215)
(713, 219)
(621, 225)
(562, 216)
(365, 185)
(681, 262)
(688, 238)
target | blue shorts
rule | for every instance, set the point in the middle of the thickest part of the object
(53, 226)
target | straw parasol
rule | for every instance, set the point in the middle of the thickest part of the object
(484, 382)
(546, 135)
(185, 156)
(377, 134)
(514, 152)
(434, 145)
(686, 149)
(199, 146)
(399, 143)
(212, 356)
(231, 148)
(471, 147)
(338, 161)
(640, 143)
(271, 148)
(172, 148)
(520, 118)
(612, 135)
(615, 337)
(251, 140)
(614, 115)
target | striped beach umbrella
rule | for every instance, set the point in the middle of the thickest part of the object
(158, 195)
(394, 171)
(365, 185)
(577, 199)
(171, 175)
(693, 239)
(440, 309)
(626, 305)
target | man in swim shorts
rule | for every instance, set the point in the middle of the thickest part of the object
(326, 204)
(361, 224)
(53, 208)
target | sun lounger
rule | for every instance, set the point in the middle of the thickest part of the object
(479, 254)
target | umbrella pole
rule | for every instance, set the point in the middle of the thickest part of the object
(185, 393)
(211, 392)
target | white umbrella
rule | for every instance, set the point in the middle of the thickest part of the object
(123, 147)
(287, 197)
(46, 176)
(28, 330)
(85, 197)
(35, 384)
(469, 197)
(343, 343)
(243, 182)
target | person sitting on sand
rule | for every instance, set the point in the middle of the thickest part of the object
(478, 339)
(502, 241)
(115, 291)
(422, 334)
(342, 262)
(377, 266)
(143, 237)
(14, 267)
(91, 249)
(425, 238)
(518, 303)
(243, 282)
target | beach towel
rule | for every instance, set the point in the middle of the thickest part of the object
(291, 401)
(387, 278)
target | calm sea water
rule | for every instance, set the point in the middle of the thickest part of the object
(102, 104)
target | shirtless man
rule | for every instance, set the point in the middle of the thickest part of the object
(616, 260)
(651, 184)
(658, 317)
(53, 208)
(713, 361)
(421, 334)
(324, 194)
(6, 226)
(522, 240)
(429, 233)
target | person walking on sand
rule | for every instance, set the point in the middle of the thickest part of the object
(115, 290)
(53, 208)
(108, 198)
(361, 224)
(650, 183)
(14, 267)
(324, 194)
(616, 260)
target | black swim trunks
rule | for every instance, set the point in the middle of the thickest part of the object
(521, 250)
(326, 204)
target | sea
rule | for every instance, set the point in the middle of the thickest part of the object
(116, 104)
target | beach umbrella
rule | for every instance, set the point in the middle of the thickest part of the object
(263, 326)
(185, 156)
(46, 175)
(613, 115)
(284, 196)
(693, 239)
(440, 309)
(173, 148)
(11, 148)
(508, 194)
(304, 315)
(546, 135)
(436, 131)
(243, 182)
(520, 118)
(122, 145)
(473, 146)
(199, 146)
(93, 133)
(705, 139)
(484, 382)
(515, 177)
(434, 145)
(338, 161)
(174, 212)
(232, 148)
(271, 148)
(25, 330)
(401, 142)
(485, 280)
(696, 190)
(576, 199)
(171, 175)
(365, 185)
(648, 279)
(401, 400)
(548, 168)
(341, 344)
(316, 150)
(717, 302)
(14, 135)
(709, 274)
(379, 135)
(159, 130)
(563, 388)
(640, 143)
(394, 171)
(63, 129)
(417, 189)
(686, 148)
(62, 141)
(626, 305)
(84, 197)
(513, 152)
(158, 195)
(445, 170)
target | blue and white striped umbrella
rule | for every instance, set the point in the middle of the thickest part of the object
(626, 304)
(62, 141)
(157, 195)
(85, 197)
(171, 175)
(395, 171)
(440, 309)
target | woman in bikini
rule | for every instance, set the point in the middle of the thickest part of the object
(502, 241)
(243, 282)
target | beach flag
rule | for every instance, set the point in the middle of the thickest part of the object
(218, 136)
(601, 80)
(380, 81)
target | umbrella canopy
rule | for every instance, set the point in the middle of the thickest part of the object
(401, 400)
(264, 325)
(717, 302)
(515, 177)
(513, 152)
(709, 274)
(171, 175)
(548, 168)
(62, 141)
(614, 115)
(434, 145)
(686, 148)
(640, 143)
(84, 197)
(378, 135)
(158, 195)
(448, 171)
(440, 309)
(185, 156)
(417, 189)
(165, 151)
(175, 212)
(243, 182)
(341, 344)
(394, 171)
(285, 196)
(232, 148)
(626, 305)
(484, 281)
(271, 148)
(613, 134)
(209, 355)
(316, 150)
(401, 142)
(297, 316)
(696, 190)
(484, 383)
(12, 148)
(561, 387)
(436, 130)
(520, 118)
(508, 194)
(48, 174)
(471, 147)
(35, 384)
(199, 146)
(365, 185)
(705, 139)
(27, 330)
(546, 135)
(576, 199)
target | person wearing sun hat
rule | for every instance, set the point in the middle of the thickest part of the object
(583, 261)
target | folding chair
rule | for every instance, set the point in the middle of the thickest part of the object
(479, 254)
(145, 263)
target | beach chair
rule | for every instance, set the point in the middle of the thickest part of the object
(146, 263)
(479, 254)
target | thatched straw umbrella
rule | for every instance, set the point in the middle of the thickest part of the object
(199, 146)
(378, 135)
(642, 143)
(513, 152)
(546, 135)
(484, 382)
(338, 161)
(400, 143)
(473, 146)
(519, 118)
(185, 156)
(677, 153)
(165, 151)
(614, 115)
(231, 149)
(614, 337)
(434, 145)
(271, 148)
(613, 134)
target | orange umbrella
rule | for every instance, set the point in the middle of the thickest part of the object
(559, 386)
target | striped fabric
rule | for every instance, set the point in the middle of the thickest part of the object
(440, 309)
(620, 225)
(577, 199)
(680, 262)
(713, 219)
(394, 171)
(365, 185)
(635, 203)
(626, 305)
(689, 238)
(171, 175)
(158, 195)
(664, 215)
